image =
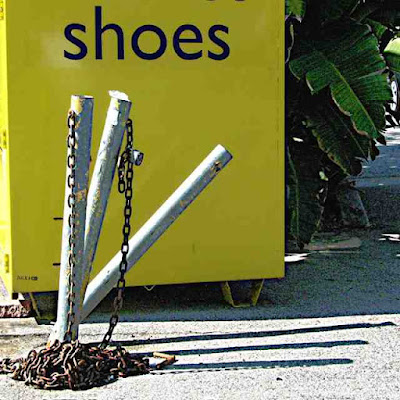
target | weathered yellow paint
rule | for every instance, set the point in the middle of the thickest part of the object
(181, 110)
(5, 229)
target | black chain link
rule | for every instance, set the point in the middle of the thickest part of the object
(71, 161)
(125, 179)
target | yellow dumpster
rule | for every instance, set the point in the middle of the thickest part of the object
(199, 73)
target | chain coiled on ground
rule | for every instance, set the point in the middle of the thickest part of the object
(71, 364)
(74, 366)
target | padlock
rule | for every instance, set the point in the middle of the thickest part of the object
(136, 157)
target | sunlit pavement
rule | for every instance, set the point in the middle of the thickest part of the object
(379, 184)
(387, 163)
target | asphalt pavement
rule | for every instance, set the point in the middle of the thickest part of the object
(329, 330)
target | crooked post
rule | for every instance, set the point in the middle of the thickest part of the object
(82, 106)
(102, 179)
(161, 220)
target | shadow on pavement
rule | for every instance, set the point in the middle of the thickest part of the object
(222, 350)
(247, 335)
(363, 281)
(254, 365)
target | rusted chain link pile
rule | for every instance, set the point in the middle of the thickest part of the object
(74, 366)
(16, 311)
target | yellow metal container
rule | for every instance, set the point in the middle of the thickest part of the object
(199, 73)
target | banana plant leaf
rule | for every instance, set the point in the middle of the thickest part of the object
(346, 59)
(306, 188)
(386, 12)
(378, 28)
(337, 138)
(392, 55)
(364, 10)
(332, 10)
(296, 8)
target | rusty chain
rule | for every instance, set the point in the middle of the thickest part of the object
(125, 179)
(22, 310)
(71, 161)
(71, 364)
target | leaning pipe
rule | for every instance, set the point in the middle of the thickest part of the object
(103, 175)
(148, 234)
(82, 106)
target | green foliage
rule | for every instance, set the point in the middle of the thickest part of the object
(352, 69)
(378, 29)
(296, 8)
(336, 9)
(337, 79)
(337, 138)
(392, 55)
(386, 12)
(306, 187)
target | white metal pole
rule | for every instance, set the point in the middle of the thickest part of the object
(102, 179)
(148, 234)
(82, 107)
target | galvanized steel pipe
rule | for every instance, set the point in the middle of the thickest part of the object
(82, 106)
(148, 234)
(103, 175)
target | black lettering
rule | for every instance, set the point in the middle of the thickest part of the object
(219, 42)
(178, 40)
(74, 40)
(161, 36)
(99, 32)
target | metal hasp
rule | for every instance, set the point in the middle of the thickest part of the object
(82, 107)
(103, 175)
(158, 223)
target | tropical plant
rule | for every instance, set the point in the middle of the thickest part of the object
(338, 58)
